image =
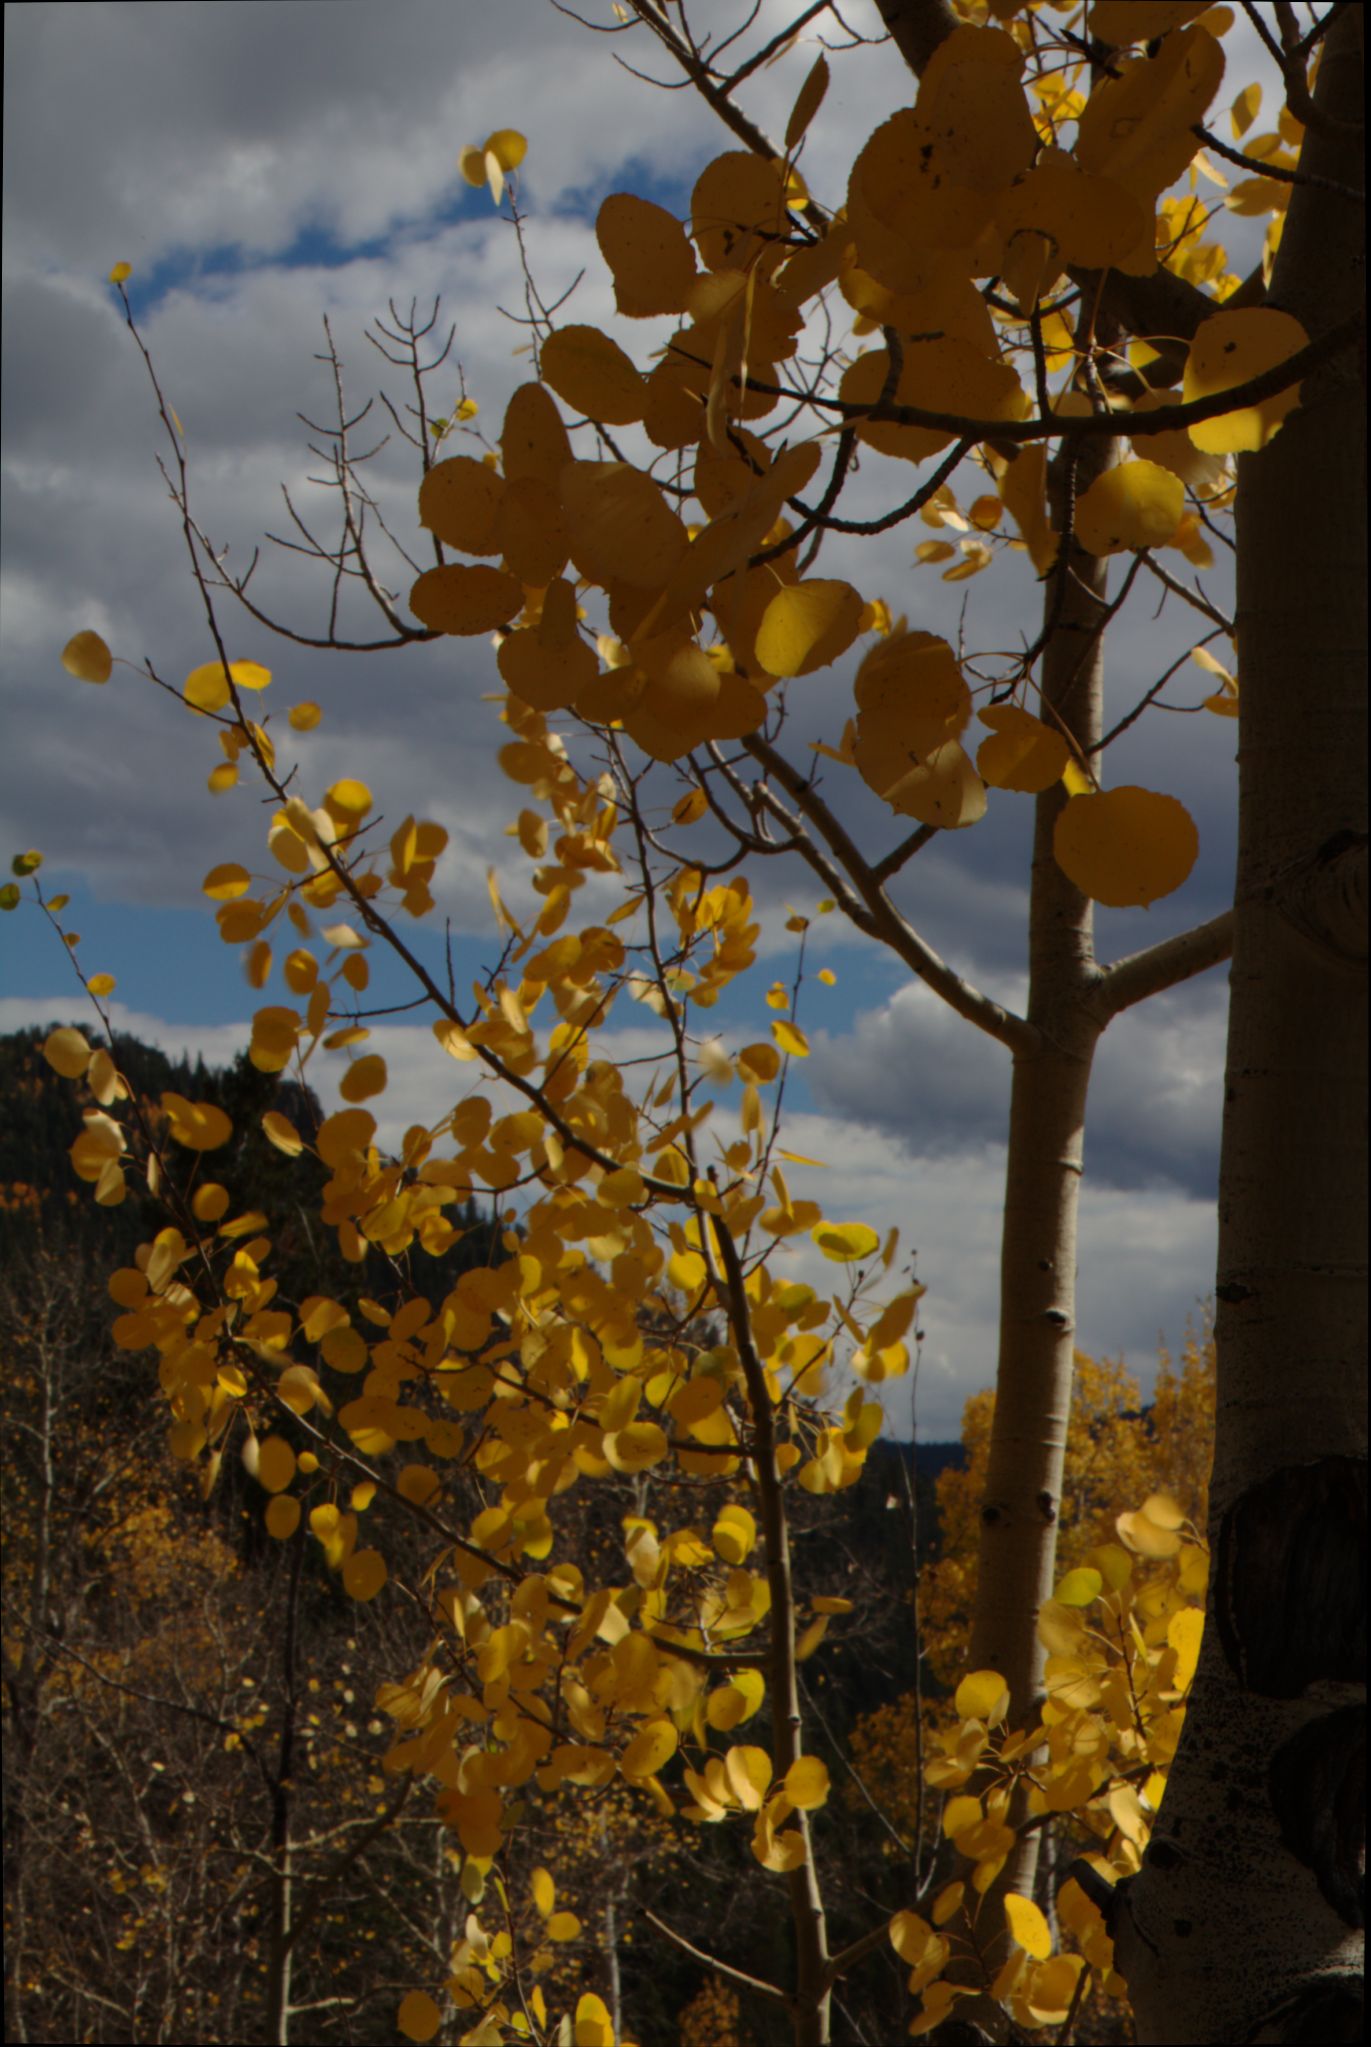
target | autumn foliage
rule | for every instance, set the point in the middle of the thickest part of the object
(634, 1328)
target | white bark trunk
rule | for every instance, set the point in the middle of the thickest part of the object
(1243, 1923)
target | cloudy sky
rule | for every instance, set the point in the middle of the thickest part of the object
(262, 166)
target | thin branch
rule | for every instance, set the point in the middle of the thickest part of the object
(717, 1968)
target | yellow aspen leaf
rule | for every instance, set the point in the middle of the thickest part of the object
(620, 527)
(593, 2027)
(790, 1038)
(1134, 504)
(982, 1695)
(808, 625)
(648, 253)
(121, 273)
(1125, 847)
(533, 439)
(734, 1534)
(748, 1771)
(549, 664)
(590, 373)
(806, 1783)
(738, 212)
(207, 687)
(1022, 753)
(736, 1701)
(1027, 1925)
(281, 1132)
(282, 1517)
(845, 1242)
(1245, 109)
(67, 1052)
(1164, 1510)
(807, 102)
(87, 658)
(635, 1447)
(209, 1201)
(465, 601)
(418, 2017)
(365, 1078)
(1230, 348)
(459, 503)
(364, 1574)
(1079, 1587)
(563, 1926)
(1136, 127)
(304, 717)
(1147, 1537)
(224, 884)
(948, 1903)
(544, 1891)
(1185, 1631)
(910, 1936)
(275, 1464)
(1052, 1988)
(197, 1125)
(650, 1748)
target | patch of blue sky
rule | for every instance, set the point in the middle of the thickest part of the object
(637, 175)
(315, 247)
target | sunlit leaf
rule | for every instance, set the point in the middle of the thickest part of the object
(1125, 846)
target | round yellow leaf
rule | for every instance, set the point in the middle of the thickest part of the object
(748, 1771)
(275, 1464)
(620, 528)
(364, 1574)
(982, 1695)
(845, 1242)
(544, 1891)
(282, 1517)
(1027, 1925)
(533, 440)
(365, 1078)
(807, 626)
(209, 1201)
(1134, 504)
(806, 1783)
(1079, 1587)
(224, 884)
(910, 1936)
(87, 658)
(1125, 846)
(462, 600)
(635, 1447)
(734, 1534)
(67, 1052)
(1230, 348)
(459, 502)
(594, 2027)
(418, 2017)
(647, 250)
(508, 147)
(304, 717)
(592, 375)
(199, 1126)
(1022, 752)
(650, 1748)
(563, 1926)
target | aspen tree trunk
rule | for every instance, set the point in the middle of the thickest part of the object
(1243, 1922)
(1045, 1159)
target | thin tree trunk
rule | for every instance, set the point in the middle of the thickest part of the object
(1243, 1922)
(1018, 1536)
